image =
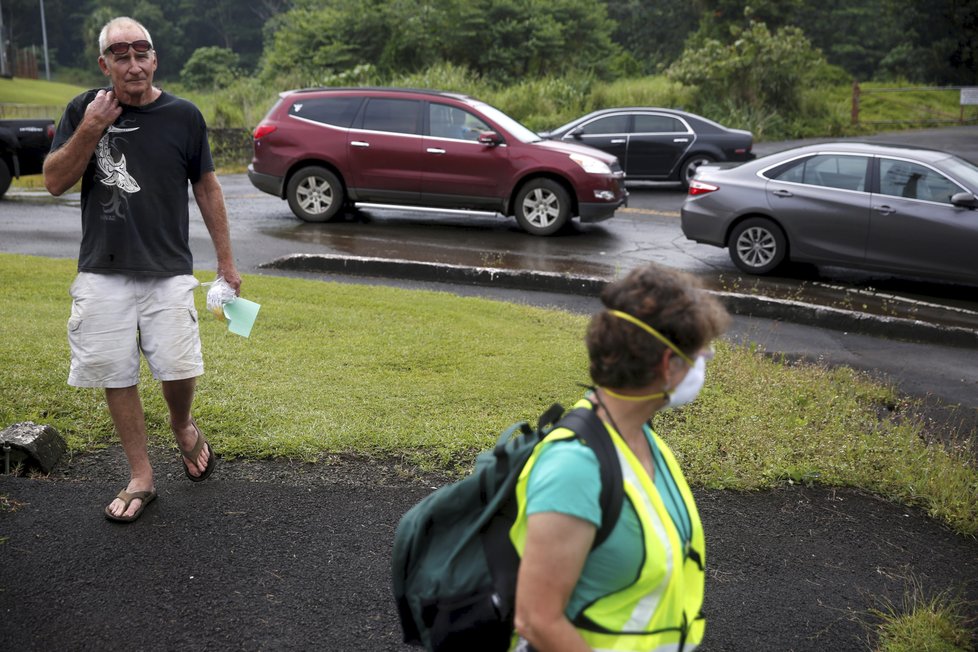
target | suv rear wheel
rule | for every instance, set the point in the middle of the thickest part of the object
(315, 194)
(542, 207)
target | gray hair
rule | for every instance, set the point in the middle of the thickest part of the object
(103, 36)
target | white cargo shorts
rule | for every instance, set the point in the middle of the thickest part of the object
(115, 316)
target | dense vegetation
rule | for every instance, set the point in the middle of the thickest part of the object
(781, 68)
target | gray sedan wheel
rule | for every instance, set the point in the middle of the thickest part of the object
(757, 246)
(315, 194)
(690, 165)
(542, 207)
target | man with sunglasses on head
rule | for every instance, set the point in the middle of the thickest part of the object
(135, 147)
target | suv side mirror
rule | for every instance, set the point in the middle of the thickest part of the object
(490, 138)
(964, 200)
(576, 133)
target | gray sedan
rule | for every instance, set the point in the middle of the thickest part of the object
(899, 210)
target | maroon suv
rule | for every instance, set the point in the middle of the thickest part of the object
(323, 149)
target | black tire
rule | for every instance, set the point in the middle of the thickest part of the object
(315, 194)
(4, 177)
(542, 207)
(757, 246)
(689, 165)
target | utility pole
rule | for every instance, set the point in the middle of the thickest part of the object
(44, 36)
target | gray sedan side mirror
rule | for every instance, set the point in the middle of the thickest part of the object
(964, 200)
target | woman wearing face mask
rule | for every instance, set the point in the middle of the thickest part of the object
(642, 588)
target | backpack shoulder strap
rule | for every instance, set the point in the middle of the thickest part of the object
(591, 430)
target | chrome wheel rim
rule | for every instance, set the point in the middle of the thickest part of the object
(314, 195)
(541, 207)
(757, 247)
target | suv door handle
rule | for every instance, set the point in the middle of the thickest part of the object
(885, 209)
(617, 141)
(359, 143)
(680, 140)
(782, 193)
(435, 150)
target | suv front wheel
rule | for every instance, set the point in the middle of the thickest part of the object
(315, 194)
(542, 207)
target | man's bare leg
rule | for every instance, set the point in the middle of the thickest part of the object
(127, 415)
(179, 396)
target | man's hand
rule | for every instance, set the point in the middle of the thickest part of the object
(103, 110)
(230, 274)
(65, 166)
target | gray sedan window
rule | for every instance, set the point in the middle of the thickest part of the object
(829, 170)
(913, 181)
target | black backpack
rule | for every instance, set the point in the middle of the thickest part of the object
(454, 567)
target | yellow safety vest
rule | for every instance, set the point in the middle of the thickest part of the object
(660, 611)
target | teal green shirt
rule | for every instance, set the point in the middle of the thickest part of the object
(567, 479)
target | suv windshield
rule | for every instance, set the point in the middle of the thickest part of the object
(520, 132)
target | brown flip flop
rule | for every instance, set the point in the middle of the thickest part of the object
(145, 496)
(191, 456)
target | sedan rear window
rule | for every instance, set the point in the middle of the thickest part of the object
(658, 124)
(842, 171)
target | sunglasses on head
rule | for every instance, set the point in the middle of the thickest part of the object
(122, 47)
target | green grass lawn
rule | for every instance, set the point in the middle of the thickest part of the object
(36, 91)
(432, 378)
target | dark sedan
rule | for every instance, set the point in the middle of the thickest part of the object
(898, 210)
(655, 144)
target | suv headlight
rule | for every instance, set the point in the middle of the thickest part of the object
(590, 164)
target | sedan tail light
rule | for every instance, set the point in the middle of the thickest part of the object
(701, 188)
(263, 130)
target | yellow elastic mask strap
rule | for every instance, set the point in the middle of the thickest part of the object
(654, 333)
(626, 397)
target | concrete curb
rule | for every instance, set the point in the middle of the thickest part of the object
(737, 303)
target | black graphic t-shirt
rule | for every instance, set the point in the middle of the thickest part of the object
(134, 197)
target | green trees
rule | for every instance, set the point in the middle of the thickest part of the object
(922, 41)
(210, 68)
(496, 39)
(758, 70)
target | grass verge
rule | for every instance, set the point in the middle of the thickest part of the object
(432, 378)
(923, 623)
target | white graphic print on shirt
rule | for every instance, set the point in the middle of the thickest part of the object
(117, 176)
(115, 172)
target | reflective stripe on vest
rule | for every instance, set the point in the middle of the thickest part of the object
(660, 611)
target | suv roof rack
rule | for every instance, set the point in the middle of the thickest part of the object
(394, 89)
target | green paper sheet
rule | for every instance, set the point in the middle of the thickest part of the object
(241, 315)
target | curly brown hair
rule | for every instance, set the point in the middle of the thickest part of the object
(622, 354)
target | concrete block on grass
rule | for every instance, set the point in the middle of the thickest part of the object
(32, 445)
